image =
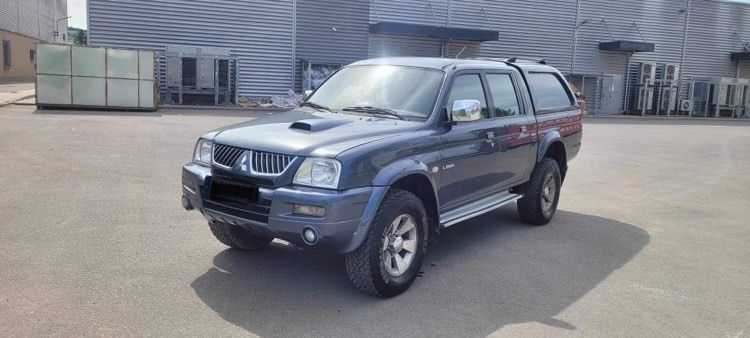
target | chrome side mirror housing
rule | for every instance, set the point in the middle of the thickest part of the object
(465, 110)
(307, 93)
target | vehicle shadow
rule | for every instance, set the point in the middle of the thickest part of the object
(484, 274)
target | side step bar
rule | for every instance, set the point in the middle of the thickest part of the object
(477, 208)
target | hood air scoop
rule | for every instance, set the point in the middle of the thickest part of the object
(316, 125)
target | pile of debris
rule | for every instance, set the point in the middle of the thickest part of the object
(288, 101)
(581, 99)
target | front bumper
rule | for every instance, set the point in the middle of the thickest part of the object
(342, 229)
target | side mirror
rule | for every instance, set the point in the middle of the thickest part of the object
(465, 110)
(307, 93)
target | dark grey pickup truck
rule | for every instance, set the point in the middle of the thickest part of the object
(384, 155)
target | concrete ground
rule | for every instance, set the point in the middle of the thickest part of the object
(652, 238)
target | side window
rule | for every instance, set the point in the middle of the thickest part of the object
(548, 92)
(469, 87)
(503, 95)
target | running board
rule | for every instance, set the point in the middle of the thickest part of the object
(477, 208)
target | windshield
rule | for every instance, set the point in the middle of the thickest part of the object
(409, 91)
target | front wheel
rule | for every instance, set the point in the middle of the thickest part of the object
(541, 193)
(389, 259)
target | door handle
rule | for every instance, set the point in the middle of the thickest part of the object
(490, 137)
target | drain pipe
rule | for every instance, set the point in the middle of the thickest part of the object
(576, 26)
(684, 47)
(448, 25)
(627, 83)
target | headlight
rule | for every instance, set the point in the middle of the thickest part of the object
(202, 153)
(319, 172)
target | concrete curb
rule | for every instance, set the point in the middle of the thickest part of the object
(664, 118)
(183, 107)
(13, 100)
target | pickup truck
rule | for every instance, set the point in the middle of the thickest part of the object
(384, 155)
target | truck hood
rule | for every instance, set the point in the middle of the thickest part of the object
(302, 133)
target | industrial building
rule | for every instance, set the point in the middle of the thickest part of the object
(23, 23)
(635, 56)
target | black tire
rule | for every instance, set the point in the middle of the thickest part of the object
(531, 206)
(365, 266)
(238, 238)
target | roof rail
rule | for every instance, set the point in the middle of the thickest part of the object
(516, 59)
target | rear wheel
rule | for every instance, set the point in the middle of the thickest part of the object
(389, 259)
(238, 238)
(541, 193)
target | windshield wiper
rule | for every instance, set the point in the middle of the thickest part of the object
(316, 106)
(375, 111)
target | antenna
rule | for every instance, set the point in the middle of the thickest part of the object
(457, 55)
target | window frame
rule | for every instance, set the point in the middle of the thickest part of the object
(7, 54)
(563, 84)
(485, 88)
(516, 88)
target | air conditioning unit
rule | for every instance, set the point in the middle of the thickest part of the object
(668, 98)
(645, 98)
(671, 72)
(738, 95)
(647, 73)
(686, 105)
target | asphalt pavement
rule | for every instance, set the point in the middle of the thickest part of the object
(652, 238)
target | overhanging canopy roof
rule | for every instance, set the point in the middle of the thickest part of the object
(627, 46)
(740, 56)
(440, 32)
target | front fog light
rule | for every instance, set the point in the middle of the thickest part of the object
(310, 236)
(309, 210)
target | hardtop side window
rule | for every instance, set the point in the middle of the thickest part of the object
(548, 91)
(468, 87)
(503, 93)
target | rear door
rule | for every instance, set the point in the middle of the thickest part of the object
(468, 151)
(513, 128)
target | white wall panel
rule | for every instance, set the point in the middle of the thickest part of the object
(89, 91)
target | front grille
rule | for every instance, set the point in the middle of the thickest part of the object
(269, 163)
(226, 155)
(260, 162)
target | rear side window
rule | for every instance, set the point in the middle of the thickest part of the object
(468, 87)
(548, 91)
(503, 94)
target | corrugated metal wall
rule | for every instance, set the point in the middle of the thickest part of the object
(711, 37)
(538, 29)
(545, 29)
(34, 18)
(258, 32)
(660, 22)
(429, 12)
(331, 31)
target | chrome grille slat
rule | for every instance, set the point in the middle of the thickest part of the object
(260, 162)
(225, 155)
(270, 163)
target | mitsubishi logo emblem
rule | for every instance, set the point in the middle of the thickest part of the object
(243, 162)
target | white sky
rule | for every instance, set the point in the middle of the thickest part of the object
(77, 9)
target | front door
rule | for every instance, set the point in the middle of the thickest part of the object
(466, 170)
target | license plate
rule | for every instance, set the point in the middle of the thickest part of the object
(222, 189)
